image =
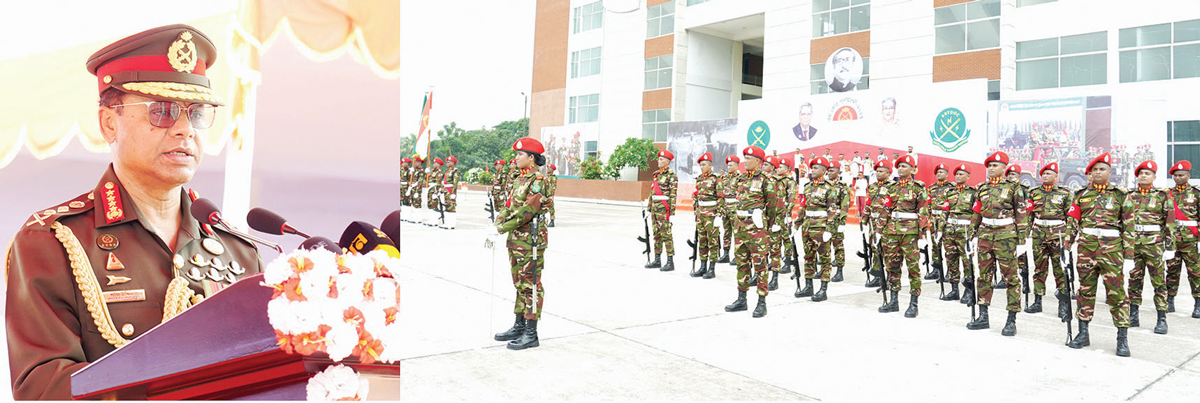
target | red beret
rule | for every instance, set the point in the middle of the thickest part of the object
(499, 162)
(438, 161)
(883, 163)
(1053, 166)
(964, 168)
(553, 168)
(1105, 158)
(819, 161)
(405, 160)
(1011, 169)
(754, 151)
(786, 161)
(165, 63)
(1181, 165)
(1146, 165)
(529, 144)
(705, 157)
(941, 166)
(452, 159)
(665, 154)
(771, 159)
(906, 159)
(512, 161)
(835, 164)
(418, 158)
(734, 158)
(998, 156)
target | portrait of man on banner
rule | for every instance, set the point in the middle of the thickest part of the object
(843, 70)
(804, 131)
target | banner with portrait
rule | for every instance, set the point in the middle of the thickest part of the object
(689, 140)
(564, 145)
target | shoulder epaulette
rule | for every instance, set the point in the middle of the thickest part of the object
(77, 205)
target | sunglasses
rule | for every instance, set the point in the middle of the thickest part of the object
(163, 114)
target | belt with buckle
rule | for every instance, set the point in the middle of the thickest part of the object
(707, 203)
(904, 216)
(1108, 233)
(995, 222)
(1147, 228)
(1186, 223)
(743, 213)
(658, 197)
(816, 213)
(1049, 223)
(959, 221)
(731, 200)
(938, 212)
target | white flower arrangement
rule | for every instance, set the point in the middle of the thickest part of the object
(341, 305)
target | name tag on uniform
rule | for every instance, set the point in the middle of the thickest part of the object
(124, 296)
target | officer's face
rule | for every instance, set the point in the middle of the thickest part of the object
(1100, 173)
(817, 171)
(1014, 176)
(752, 163)
(904, 169)
(731, 166)
(882, 172)
(831, 174)
(705, 166)
(164, 158)
(942, 174)
(663, 162)
(1181, 177)
(1049, 177)
(961, 177)
(525, 160)
(995, 169)
(1145, 177)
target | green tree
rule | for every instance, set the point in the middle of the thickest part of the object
(634, 152)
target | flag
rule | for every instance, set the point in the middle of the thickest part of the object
(421, 147)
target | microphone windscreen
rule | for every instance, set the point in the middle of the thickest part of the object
(391, 227)
(205, 211)
(320, 242)
(362, 237)
(263, 220)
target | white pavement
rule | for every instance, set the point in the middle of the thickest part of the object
(612, 330)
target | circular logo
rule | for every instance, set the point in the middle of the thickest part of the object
(950, 130)
(846, 112)
(758, 135)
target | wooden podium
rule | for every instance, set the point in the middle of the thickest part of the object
(221, 349)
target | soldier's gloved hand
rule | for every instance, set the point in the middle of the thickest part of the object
(757, 217)
(1168, 255)
(826, 236)
(1127, 266)
(922, 243)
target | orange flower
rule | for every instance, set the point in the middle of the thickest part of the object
(382, 271)
(283, 341)
(308, 343)
(333, 290)
(368, 291)
(291, 288)
(302, 264)
(368, 348)
(353, 316)
(390, 314)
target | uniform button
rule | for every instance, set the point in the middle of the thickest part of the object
(127, 329)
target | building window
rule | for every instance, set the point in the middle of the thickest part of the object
(836, 17)
(967, 26)
(585, 108)
(695, 2)
(660, 20)
(658, 72)
(1147, 52)
(589, 16)
(817, 84)
(1023, 3)
(591, 150)
(993, 90)
(585, 62)
(1068, 61)
(1183, 142)
(654, 124)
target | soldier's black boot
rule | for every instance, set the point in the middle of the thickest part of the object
(807, 291)
(1000, 284)
(891, 305)
(837, 276)
(982, 321)
(703, 268)
(1081, 340)
(774, 283)
(1170, 303)
(670, 264)
(787, 266)
(518, 327)
(1161, 327)
(712, 270)
(1134, 321)
(1010, 326)
(1036, 306)
(528, 339)
(761, 309)
(953, 295)
(738, 304)
(1196, 310)
(1122, 341)
(1063, 311)
(655, 264)
(820, 295)
(551, 225)
(724, 256)
(934, 273)
(872, 283)
(912, 307)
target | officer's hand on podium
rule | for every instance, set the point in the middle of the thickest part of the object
(1168, 255)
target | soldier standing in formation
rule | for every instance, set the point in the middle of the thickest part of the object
(755, 199)
(405, 173)
(449, 192)
(499, 181)
(820, 204)
(1097, 214)
(433, 199)
(905, 221)
(937, 194)
(1001, 220)
(522, 218)
(1145, 216)
(417, 188)
(552, 179)
(728, 194)
(1049, 232)
(956, 230)
(876, 194)
(841, 193)
(706, 206)
(774, 257)
(1186, 203)
(662, 206)
(1013, 173)
(787, 196)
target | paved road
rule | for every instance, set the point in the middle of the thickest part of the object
(615, 331)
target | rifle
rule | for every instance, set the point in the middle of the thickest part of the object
(925, 255)
(647, 239)
(694, 243)
(969, 281)
(941, 280)
(863, 229)
(533, 225)
(490, 208)
(1068, 265)
(1024, 273)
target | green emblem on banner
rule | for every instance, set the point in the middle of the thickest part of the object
(758, 135)
(950, 130)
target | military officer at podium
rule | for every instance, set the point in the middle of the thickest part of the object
(91, 274)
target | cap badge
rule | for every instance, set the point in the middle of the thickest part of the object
(182, 53)
(519, 145)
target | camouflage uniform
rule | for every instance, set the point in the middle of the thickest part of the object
(450, 189)
(1023, 259)
(938, 196)
(433, 182)
(1144, 218)
(1050, 233)
(905, 216)
(874, 216)
(841, 192)
(708, 246)
(754, 193)
(1100, 253)
(417, 185)
(1001, 223)
(958, 228)
(1187, 200)
(552, 179)
(667, 184)
(405, 172)
(779, 226)
(515, 218)
(499, 191)
(820, 204)
(728, 193)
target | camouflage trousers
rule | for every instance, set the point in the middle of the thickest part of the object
(996, 255)
(936, 246)
(708, 246)
(751, 255)
(664, 238)
(876, 250)
(957, 257)
(550, 209)
(839, 249)
(1096, 262)
(777, 253)
(817, 254)
(1186, 253)
(432, 202)
(788, 242)
(404, 195)
(527, 278)
(727, 221)
(451, 201)
(1148, 257)
(1047, 254)
(901, 249)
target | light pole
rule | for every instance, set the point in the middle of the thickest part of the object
(525, 111)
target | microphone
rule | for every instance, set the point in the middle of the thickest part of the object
(391, 227)
(320, 242)
(263, 220)
(362, 237)
(206, 212)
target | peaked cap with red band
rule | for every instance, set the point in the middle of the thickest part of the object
(1011, 169)
(964, 168)
(906, 159)
(998, 156)
(732, 158)
(665, 154)
(754, 151)
(1102, 158)
(529, 144)
(1053, 166)
(941, 166)
(1181, 165)
(1146, 165)
(819, 161)
(704, 157)
(883, 163)
(165, 63)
